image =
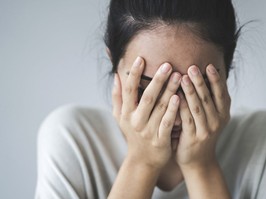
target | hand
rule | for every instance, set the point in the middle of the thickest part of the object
(203, 114)
(147, 125)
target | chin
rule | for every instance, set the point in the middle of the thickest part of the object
(169, 185)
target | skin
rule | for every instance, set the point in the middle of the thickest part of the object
(175, 58)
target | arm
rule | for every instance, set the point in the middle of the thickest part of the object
(207, 182)
(147, 127)
(56, 179)
(134, 181)
(203, 113)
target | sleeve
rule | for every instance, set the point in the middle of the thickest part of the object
(253, 141)
(60, 163)
(261, 125)
(262, 187)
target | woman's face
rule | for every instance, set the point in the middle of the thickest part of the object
(177, 46)
(182, 49)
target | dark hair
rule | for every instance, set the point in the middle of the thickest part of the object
(211, 20)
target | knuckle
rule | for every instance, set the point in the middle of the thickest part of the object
(197, 110)
(166, 123)
(116, 99)
(221, 94)
(189, 120)
(147, 99)
(124, 116)
(145, 135)
(226, 118)
(134, 73)
(200, 83)
(215, 126)
(155, 144)
(216, 79)
(161, 106)
(204, 136)
(136, 124)
(205, 99)
(128, 89)
(171, 89)
(226, 100)
(190, 92)
(159, 79)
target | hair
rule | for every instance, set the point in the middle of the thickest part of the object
(211, 20)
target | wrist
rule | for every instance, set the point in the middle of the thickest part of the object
(206, 182)
(148, 159)
(200, 168)
(136, 164)
(134, 180)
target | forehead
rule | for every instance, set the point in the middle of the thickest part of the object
(177, 46)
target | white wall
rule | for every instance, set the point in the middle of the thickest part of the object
(51, 53)
(248, 89)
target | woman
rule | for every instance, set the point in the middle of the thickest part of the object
(170, 62)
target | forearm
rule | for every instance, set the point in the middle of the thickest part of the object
(134, 181)
(206, 183)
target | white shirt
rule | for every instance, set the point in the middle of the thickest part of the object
(80, 150)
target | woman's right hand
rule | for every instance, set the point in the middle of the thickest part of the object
(147, 124)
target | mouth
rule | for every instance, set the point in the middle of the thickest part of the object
(176, 131)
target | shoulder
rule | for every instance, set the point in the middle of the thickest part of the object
(75, 123)
(73, 117)
(246, 131)
(242, 153)
(252, 117)
(244, 138)
(72, 141)
(248, 123)
(71, 114)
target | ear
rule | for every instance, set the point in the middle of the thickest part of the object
(108, 53)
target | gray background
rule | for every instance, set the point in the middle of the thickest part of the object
(51, 53)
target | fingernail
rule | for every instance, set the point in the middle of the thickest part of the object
(193, 70)
(176, 78)
(212, 69)
(165, 68)
(137, 62)
(186, 80)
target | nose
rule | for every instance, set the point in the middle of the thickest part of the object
(178, 120)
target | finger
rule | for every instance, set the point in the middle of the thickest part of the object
(203, 94)
(194, 105)
(130, 90)
(162, 104)
(188, 125)
(117, 98)
(151, 93)
(220, 92)
(168, 120)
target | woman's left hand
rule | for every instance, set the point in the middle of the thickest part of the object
(204, 113)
